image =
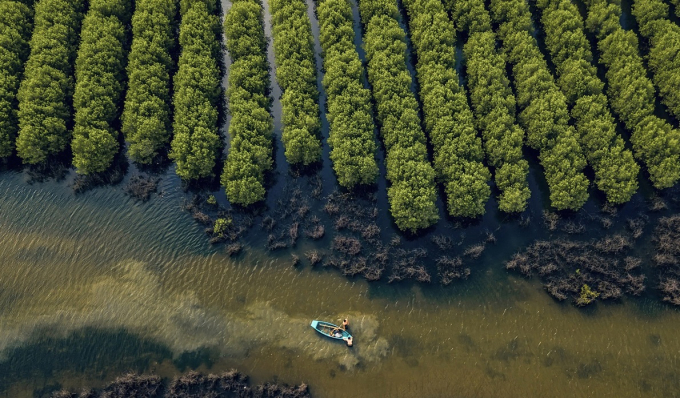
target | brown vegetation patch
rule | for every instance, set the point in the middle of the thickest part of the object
(636, 226)
(550, 220)
(567, 266)
(202, 218)
(130, 385)
(276, 242)
(316, 232)
(141, 187)
(349, 267)
(442, 242)
(347, 245)
(314, 257)
(667, 257)
(657, 204)
(371, 231)
(475, 251)
(293, 232)
(572, 227)
(450, 269)
(233, 249)
(408, 264)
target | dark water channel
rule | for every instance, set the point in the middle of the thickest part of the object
(97, 284)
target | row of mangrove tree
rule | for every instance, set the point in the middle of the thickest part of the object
(296, 74)
(16, 25)
(664, 40)
(350, 116)
(100, 81)
(196, 143)
(251, 127)
(544, 113)
(47, 103)
(458, 153)
(46, 91)
(146, 119)
(412, 191)
(655, 142)
(493, 104)
(615, 169)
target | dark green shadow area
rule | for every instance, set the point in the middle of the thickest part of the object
(99, 354)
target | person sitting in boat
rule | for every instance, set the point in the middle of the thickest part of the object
(337, 333)
(348, 340)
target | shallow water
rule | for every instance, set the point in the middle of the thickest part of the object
(97, 284)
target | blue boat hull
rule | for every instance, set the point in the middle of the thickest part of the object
(325, 328)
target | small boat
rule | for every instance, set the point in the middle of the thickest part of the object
(330, 330)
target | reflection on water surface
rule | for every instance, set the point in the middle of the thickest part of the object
(97, 284)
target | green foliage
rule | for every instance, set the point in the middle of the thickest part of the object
(212, 200)
(146, 116)
(47, 87)
(587, 295)
(15, 30)
(211, 5)
(221, 226)
(614, 166)
(351, 136)
(196, 142)
(296, 74)
(448, 120)
(664, 59)
(544, 113)
(493, 104)
(469, 15)
(251, 126)
(371, 8)
(676, 4)
(100, 80)
(412, 192)
(615, 169)
(655, 142)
